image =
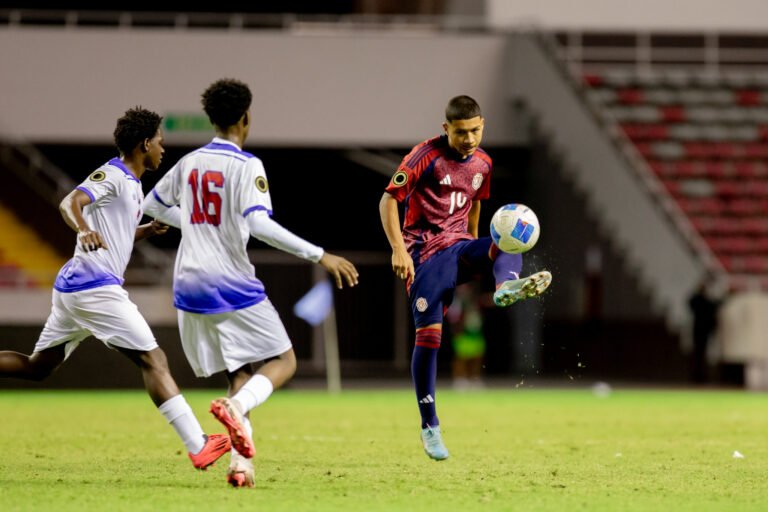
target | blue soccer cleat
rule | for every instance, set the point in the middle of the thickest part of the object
(518, 289)
(433, 443)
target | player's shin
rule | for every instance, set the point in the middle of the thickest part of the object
(506, 266)
(424, 372)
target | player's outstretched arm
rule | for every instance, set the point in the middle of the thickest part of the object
(71, 209)
(341, 269)
(170, 215)
(272, 233)
(402, 263)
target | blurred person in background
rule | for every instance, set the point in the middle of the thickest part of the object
(441, 182)
(468, 342)
(704, 304)
(219, 196)
(88, 296)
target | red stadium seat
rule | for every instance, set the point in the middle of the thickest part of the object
(705, 136)
(629, 96)
(592, 79)
(673, 114)
(748, 97)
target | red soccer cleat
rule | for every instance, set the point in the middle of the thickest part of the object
(225, 411)
(216, 445)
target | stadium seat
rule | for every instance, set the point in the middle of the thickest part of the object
(704, 134)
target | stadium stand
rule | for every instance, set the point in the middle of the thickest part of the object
(703, 131)
(35, 187)
(26, 260)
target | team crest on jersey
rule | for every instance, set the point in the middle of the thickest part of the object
(97, 176)
(261, 184)
(421, 304)
(400, 178)
(477, 181)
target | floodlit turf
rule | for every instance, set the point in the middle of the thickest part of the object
(510, 450)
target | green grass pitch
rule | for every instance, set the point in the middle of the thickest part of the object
(517, 449)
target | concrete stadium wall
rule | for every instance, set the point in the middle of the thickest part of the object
(681, 15)
(386, 88)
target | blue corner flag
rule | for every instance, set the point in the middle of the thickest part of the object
(315, 305)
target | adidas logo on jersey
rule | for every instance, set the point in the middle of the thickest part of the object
(446, 180)
(427, 400)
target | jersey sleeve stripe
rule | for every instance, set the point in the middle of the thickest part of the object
(117, 163)
(88, 193)
(159, 200)
(225, 152)
(258, 207)
(485, 157)
(414, 160)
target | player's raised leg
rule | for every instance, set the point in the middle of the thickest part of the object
(510, 287)
(203, 449)
(59, 338)
(37, 366)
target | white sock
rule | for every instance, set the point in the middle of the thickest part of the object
(179, 414)
(253, 393)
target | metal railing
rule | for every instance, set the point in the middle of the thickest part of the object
(240, 21)
(647, 51)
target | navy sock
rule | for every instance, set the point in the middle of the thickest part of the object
(506, 266)
(424, 372)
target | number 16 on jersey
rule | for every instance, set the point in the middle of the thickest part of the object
(206, 199)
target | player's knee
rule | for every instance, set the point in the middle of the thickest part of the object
(41, 365)
(155, 360)
(40, 372)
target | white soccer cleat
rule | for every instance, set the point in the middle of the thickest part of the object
(240, 472)
(432, 439)
(518, 289)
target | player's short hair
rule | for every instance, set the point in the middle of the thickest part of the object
(136, 125)
(462, 107)
(225, 101)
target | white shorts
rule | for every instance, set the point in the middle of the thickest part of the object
(229, 341)
(105, 312)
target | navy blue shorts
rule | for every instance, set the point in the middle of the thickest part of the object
(437, 278)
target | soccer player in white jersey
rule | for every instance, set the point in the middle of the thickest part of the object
(88, 297)
(219, 196)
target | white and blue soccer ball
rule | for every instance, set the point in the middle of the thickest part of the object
(515, 228)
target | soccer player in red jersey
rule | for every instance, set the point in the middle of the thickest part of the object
(442, 181)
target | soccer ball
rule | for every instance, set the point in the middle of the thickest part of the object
(515, 228)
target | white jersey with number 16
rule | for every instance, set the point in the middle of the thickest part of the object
(216, 187)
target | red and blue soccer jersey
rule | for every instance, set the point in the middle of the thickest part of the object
(438, 187)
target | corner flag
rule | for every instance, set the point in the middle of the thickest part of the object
(316, 307)
(316, 304)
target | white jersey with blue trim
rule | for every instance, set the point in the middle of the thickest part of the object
(114, 212)
(216, 187)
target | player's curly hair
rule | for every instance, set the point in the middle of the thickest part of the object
(136, 125)
(225, 101)
(462, 107)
